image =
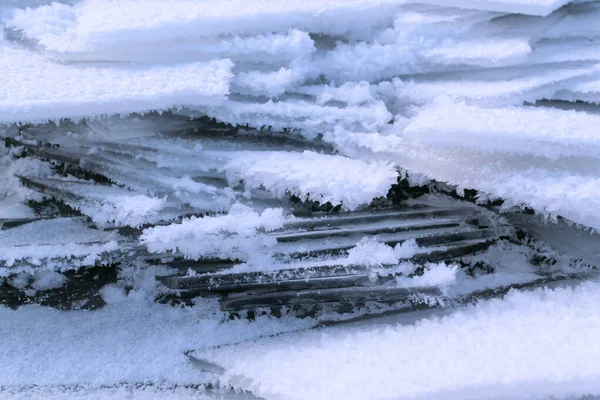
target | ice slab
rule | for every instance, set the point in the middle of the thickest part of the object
(530, 7)
(308, 117)
(102, 203)
(95, 24)
(566, 186)
(528, 345)
(61, 244)
(310, 175)
(540, 131)
(510, 86)
(266, 48)
(34, 89)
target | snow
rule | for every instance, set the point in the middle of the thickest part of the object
(234, 235)
(322, 178)
(434, 275)
(54, 244)
(331, 100)
(537, 344)
(368, 251)
(131, 341)
(34, 88)
(45, 280)
(271, 84)
(546, 132)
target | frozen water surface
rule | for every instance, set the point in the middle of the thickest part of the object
(203, 126)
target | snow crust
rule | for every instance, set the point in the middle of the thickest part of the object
(529, 345)
(37, 89)
(322, 178)
(133, 342)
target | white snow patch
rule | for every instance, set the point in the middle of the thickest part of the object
(528, 345)
(320, 177)
(368, 251)
(45, 280)
(132, 341)
(35, 89)
(234, 235)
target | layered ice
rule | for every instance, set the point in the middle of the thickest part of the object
(97, 24)
(446, 87)
(56, 244)
(329, 100)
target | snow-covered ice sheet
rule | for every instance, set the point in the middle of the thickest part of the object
(34, 88)
(92, 24)
(130, 341)
(543, 132)
(322, 178)
(530, 345)
(463, 92)
(565, 186)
